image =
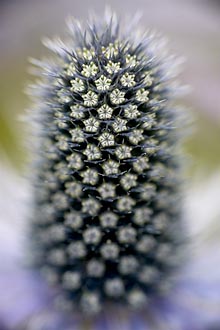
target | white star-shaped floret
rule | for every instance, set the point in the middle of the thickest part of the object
(92, 235)
(105, 112)
(77, 111)
(142, 215)
(75, 161)
(127, 80)
(74, 189)
(90, 99)
(145, 244)
(63, 97)
(57, 257)
(90, 206)
(151, 146)
(60, 201)
(108, 219)
(148, 274)
(112, 67)
(148, 190)
(142, 95)
(131, 61)
(77, 85)
(136, 136)
(92, 152)
(117, 96)
(89, 70)
(119, 125)
(76, 250)
(148, 80)
(88, 54)
(109, 251)
(123, 152)
(73, 219)
(77, 135)
(111, 50)
(71, 69)
(91, 125)
(103, 83)
(71, 280)
(128, 181)
(90, 302)
(63, 143)
(136, 298)
(114, 287)
(107, 190)
(95, 268)
(149, 121)
(127, 235)
(131, 112)
(141, 164)
(106, 139)
(110, 167)
(61, 172)
(127, 265)
(90, 176)
(55, 233)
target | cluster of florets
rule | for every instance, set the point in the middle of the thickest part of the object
(106, 183)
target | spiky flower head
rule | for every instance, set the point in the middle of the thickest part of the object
(106, 212)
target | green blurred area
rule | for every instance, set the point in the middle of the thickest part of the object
(12, 105)
(203, 145)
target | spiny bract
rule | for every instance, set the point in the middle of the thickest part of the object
(106, 174)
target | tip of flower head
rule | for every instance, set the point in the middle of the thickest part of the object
(106, 185)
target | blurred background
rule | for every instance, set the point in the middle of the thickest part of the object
(193, 27)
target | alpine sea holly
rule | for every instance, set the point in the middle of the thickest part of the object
(107, 220)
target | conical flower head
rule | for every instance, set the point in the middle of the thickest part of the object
(106, 174)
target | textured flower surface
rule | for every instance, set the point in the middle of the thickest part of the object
(26, 302)
(106, 224)
(106, 203)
